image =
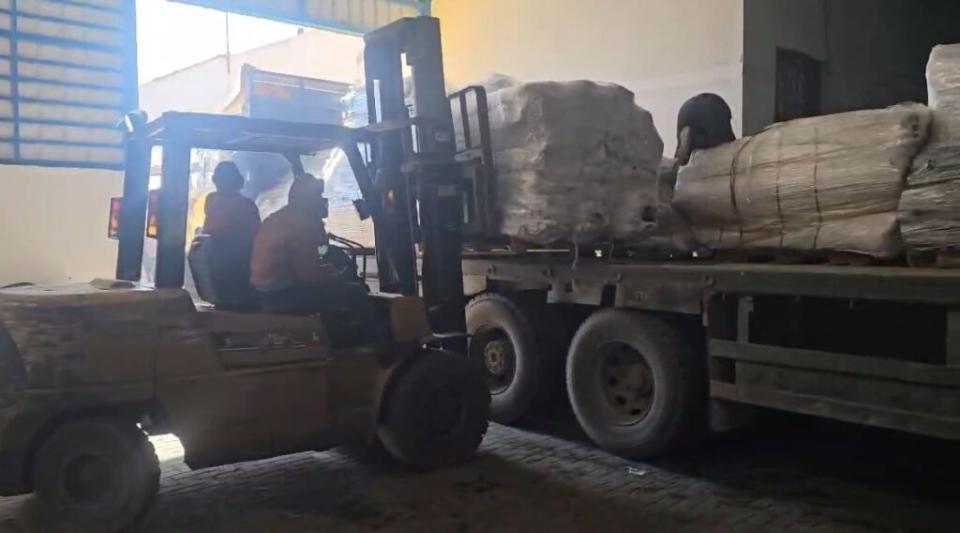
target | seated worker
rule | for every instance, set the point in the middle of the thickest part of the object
(288, 269)
(703, 122)
(231, 221)
(230, 215)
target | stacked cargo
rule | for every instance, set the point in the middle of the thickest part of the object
(930, 208)
(576, 162)
(809, 186)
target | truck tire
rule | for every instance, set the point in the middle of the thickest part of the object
(634, 383)
(96, 474)
(503, 344)
(435, 411)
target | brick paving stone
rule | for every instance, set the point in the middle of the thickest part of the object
(522, 481)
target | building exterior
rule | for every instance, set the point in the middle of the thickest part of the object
(209, 86)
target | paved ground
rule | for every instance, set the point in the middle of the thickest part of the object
(793, 475)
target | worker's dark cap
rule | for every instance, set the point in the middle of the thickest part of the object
(227, 176)
(705, 111)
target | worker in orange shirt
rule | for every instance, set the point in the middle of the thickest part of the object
(288, 267)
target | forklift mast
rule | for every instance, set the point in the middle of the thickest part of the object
(417, 182)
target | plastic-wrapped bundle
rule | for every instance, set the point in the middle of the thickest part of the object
(830, 183)
(943, 86)
(354, 105)
(576, 162)
(930, 207)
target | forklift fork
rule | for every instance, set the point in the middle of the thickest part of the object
(418, 182)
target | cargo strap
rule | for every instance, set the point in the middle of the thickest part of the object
(816, 184)
(734, 172)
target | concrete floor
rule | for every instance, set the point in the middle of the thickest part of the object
(791, 475)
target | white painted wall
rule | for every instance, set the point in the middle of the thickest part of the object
(53, 224)
(664, 50)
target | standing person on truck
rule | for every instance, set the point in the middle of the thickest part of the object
(703, 122)
(288, 267)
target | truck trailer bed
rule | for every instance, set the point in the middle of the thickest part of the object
(665, 280)
(877, 345)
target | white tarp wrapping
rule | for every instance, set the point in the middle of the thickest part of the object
(943, 86)
(576, 162)
(930, 208)
(830, 183)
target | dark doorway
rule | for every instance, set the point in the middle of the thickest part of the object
(798, 85)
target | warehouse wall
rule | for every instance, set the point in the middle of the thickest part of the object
(793, 24)
(665, 51)
(53, 224)
(878, 50)
(874, 51)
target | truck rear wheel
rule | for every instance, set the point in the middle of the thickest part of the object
(97, 474)
(503, 344)
(435, 412)
(632, 382)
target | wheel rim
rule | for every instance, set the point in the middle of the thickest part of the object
(89, 481)
(626, 382)
(499, 359)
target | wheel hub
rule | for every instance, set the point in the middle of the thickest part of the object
(494, 355)
(627, 384)
(496, 352)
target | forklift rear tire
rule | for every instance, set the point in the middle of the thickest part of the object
(435, 412)
(634, 383)
(96, 474)
(503, 344)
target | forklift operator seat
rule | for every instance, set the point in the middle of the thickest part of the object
(221, 273)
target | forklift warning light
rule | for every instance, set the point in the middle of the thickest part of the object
(116, 204)
(154, 201)
(113, 229)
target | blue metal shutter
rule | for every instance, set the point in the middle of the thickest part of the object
(353, 16)
(67, 73)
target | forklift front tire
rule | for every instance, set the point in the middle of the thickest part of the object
(96, 474)
(436, 411)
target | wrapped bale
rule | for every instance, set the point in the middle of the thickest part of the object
(930, 207)
(670, 236)
(943, 85)
(576, 162)
(822, 184)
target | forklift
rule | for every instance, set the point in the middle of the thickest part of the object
(88, 372)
